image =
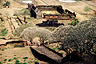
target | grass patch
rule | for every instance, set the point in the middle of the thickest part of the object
(54, 49)
(0, 54)
(60, 48)
(62, 52)
(4, 32)
(14, 0)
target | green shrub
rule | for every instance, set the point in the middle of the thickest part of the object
(54, 48)
(60, 48)
(3, 49)
(74, 22)
(5, 59)
(15, 58)
(4, 31)
(0, 62)
(17, 62)
(4, 4)
(7, 3)
(14, 55)
(25, 57)
(26, 11)
(10, 60)
(2, 19)
(36, 62)
(0, 54)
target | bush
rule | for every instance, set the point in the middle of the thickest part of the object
(15, 58)
(74, 22)
(3, 49)
(14, 55)
(5, 59)
(0, 62)
(36, 62)
(25, 57)
(17, 62)
(7, 3)
(10, 60)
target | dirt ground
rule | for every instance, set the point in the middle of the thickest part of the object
(18, 54)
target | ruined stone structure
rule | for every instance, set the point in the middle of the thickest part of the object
(49, 24)
(35, 12)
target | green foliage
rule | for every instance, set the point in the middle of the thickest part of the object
(87, 9)
(7, 3)
(10, 60)
(25, 57)
(54, 49)
(4, 32)
(60, 48)
(4, 4)
(62, 52)
(2, 19)
(24, 63)
(9, 63)
(0, 54)
(14, 55)
(15, 58)
(3, 49)
(14, 0)
(17, 62)
(5, 59)
(74, 22)
(36, 62)
(0, 62)
(25, 11)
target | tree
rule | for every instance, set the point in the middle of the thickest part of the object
(31, 32)
(78, 38)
